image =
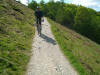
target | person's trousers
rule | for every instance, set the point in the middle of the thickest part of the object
(38, 21)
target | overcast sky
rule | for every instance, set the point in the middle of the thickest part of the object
(95, 4)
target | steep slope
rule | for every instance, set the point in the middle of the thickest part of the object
(16, 33)
(83, 53)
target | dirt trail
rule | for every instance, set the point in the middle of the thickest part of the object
(47, 58)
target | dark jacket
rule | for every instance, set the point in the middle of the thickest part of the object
(38, 14)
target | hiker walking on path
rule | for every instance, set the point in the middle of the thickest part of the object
(38, 15)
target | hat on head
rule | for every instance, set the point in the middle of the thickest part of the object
(38, 7)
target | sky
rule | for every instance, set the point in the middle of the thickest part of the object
(95, 4)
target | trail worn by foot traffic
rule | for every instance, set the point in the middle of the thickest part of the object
(47, 58)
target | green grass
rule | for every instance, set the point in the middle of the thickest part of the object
(16, 34)
(83, 54)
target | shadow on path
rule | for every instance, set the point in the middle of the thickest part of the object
(48, 39)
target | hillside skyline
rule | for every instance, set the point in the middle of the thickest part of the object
(95, 4)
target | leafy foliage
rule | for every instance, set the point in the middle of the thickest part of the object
(83, 20)
(33, 5)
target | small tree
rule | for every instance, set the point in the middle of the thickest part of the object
(42, 4)
(33, 5)
(83, 21)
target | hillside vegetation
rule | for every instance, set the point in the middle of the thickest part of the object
(85, 21)
(16, 34)
(82, 53)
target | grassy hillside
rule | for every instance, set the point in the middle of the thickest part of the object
(83, 53)
(16, 33)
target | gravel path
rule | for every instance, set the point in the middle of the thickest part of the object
(47, 58)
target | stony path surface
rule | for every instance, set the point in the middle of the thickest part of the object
(47, 58)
